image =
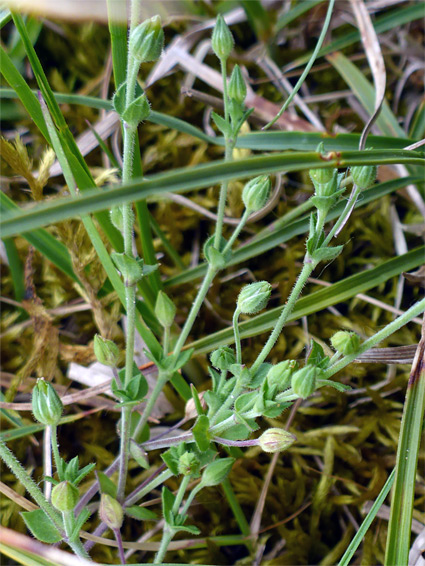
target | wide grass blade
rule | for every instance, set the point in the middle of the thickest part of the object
(339, 292)
(187, 178)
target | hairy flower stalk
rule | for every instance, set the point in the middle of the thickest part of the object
(145, 45)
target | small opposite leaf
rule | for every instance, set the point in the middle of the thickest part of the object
(326, 254)
(106, 485)
(140, 513)
(118, 100)
(41, 526)
(221, 124)
(167, 505)
(200, 433)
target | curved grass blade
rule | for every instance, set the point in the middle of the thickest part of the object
(187, 178)
(337, 293)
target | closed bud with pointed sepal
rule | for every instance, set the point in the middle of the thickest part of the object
(303, 381)
(47, 407)
(147, 40)
(222, 39)
(111, 512)
(106, 351)
(280, 374)
(276, 440)
(364, 175)
(65, 496)
(254, 297)
(346, 343)
(223, 358)
(237, 87)
(256, 193)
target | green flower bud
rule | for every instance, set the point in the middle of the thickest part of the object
(111, 512)
(364, 175)
(237, 86)
(147, 40)
(346, 343)
(216, 472)
(189, 464)
(222, 39)
(304, 381)
(324, 175)
(223, 358)
(139, 455)
(328, 188)
(165, 309)
(280, 374)
(47, 407)
(256, 193)
(106, 351)
(131, 269)
(65, 496)
(254, 297)
(276, 440)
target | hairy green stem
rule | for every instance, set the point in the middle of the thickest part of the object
(237, 230)
(76, 545)
(168, 532)
(237, 336)
(286, 311)
(203, 290)
(163, 377)
(160, 479)
(129, 141)
(344, 216)
(20, 473)
(55, 446)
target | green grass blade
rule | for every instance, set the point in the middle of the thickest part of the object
(267, 240)
(403, 495)
(23, 91)
(364, 527)
(261, 141)
(417, 127)
(188, 178)
(16, 269)
(365, 92)
(44, 242)
(337, 293)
